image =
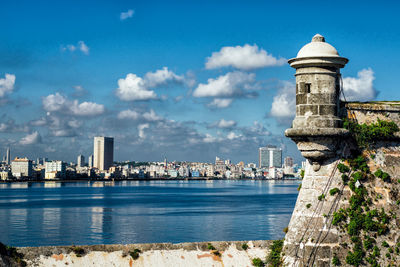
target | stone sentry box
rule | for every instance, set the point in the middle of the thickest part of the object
(316, 128)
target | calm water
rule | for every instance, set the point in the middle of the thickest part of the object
(35, 214)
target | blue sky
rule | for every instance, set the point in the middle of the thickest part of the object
(64, 60)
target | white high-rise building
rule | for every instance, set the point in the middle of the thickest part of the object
(81, 161)
(103, 152)
(270, 156)
(8, 156)
(90, 161)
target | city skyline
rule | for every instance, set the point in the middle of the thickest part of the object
(189, 91)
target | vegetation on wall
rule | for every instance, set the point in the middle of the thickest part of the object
(367, 134)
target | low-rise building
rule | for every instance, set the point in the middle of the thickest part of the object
(55, 169)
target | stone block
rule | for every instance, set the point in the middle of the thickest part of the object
(327, 110)
(301, 99)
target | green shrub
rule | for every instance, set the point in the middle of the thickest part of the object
(345, 178)
(245, 246)
(135, 253)
(321, 197)
(274, 258)
(334, 191)
(335, 260)
(383, 175)
(299, 187)
(210, 246)
(257, 262)
(369, 243)
(308, 205)
(385, 244)
(338, 217)
(343, 168)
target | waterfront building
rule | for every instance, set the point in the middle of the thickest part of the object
(270, 156)
(103, 152)
(288, 162)
(55, 169)
(5, 175)
(81, 161)
(21, 167)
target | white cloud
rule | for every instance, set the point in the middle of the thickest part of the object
(126, 15)
(209, 138)
(128, 114)
(7, 84)
(134, 115)
(83, 47)
(30, 139)
(228, 85)
(284, 103)
(220, 103)
(242, 57)
(161, 77)
(59, 103)
(223, 124)
(87, 108)
(141, 129)
(232, 136)
(360, 88)
(134, 88)
(151, 116)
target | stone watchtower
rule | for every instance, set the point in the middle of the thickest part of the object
(316, 128)
(317, 131)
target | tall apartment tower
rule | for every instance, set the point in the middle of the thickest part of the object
(90, 161)
(270, 156)
(81, 161)
(8, 156)
(103, 152)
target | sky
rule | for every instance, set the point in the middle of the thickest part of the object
(186, 80)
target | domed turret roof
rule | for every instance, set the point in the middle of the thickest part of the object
(317, 48)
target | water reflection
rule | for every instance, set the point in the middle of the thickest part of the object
(143, 211)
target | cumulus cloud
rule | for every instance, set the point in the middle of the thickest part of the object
(284, 103)
(81, 46)
(134, 88)
(228, 85)
(135, 115)
(220, 103)
(223, 124)
(30, 139)
(141, 129)
(243, 57)
(7, 84)
(59, 103)
(162, 77)
(126, 15)
(360, 88)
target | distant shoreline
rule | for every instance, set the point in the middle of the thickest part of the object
(151, 179)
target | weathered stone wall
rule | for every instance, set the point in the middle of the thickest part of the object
(161, 254)
(312, 240)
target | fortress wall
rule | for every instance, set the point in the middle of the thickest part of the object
(157, 254)
(311, 239)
